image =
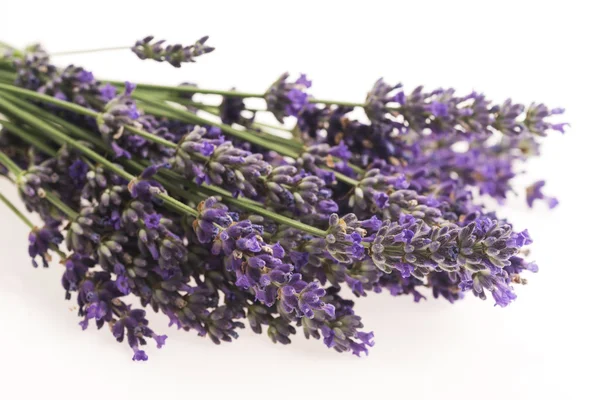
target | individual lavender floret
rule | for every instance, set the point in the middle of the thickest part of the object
(340, 332)
(32, 185)
(378, 98)
(134, 325)
(41, 239)
(286, 98)
(118, 113)
(507, 117)
(305, 297)
(372, 192)
(144, 187)
(76, 269)
(82, 234)
(534, 192)
(442, 285)
(75, 84)
(344, 237)
(231, 109)
(536, 123)
(173, 54)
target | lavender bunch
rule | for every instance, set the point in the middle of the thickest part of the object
(212, 224)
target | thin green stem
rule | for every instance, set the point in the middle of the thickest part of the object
(151, 137)
(188, 89)
(227, 129)
(56, 202)
(10, 164)
(7, 76)
(275, 127)
(86, 51)
(27, 137)
(14, 209)
(46, 115)
(160, 111)
(242, 203)
(50, 100)
(227, 93)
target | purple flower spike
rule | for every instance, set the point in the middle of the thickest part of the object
(286, 98)
(173, 54)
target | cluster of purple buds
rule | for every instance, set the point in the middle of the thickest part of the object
(41, 239)
(285, 98)
(118, 113)
(206, 157)
(173, 54)
(257, 265)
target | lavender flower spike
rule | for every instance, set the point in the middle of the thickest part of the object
(173, 54)
(286, 98)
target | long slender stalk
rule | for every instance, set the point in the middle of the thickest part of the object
(188, 89)
(154, 109)
(17, 212)
(226, 93)
(10, 164)
(27, 137)
(86, 51)
(55, 200)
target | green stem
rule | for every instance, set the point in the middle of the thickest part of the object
(49, 100)
(54, 200)
(227, 93)
(151, 137)
(10, 164)
(14, 209)
(247, 136)
(27, 137)
(191, 103)
(188, 89)
(66, 53)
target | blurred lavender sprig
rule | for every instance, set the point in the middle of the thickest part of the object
(175, 54)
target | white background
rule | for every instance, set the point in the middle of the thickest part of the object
(542, 346)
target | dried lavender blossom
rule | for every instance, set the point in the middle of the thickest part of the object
(286, 98)
(173, 54)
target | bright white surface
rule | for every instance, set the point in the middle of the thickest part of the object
(544, 345)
